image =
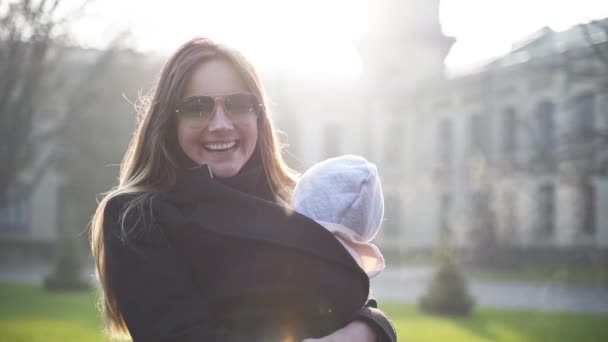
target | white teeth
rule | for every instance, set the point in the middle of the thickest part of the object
(221, 146)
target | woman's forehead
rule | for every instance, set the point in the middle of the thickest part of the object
(214, 77)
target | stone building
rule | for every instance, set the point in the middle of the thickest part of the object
(513, 153)
(520, 145)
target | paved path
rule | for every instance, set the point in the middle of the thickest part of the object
(408, 284)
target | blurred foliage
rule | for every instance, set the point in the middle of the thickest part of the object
(448, 291)
(64, 108)
(92, 144)
(60, 102)
(67, 274)
(31, 36)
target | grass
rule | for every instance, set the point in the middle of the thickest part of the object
(497, 325)
(28, 313)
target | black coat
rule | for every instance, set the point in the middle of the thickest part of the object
(205, 262)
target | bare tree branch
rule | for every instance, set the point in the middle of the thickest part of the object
(28, 29)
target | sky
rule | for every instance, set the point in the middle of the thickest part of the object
(316, 37)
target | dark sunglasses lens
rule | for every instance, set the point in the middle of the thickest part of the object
(198, 106)
(242, 104)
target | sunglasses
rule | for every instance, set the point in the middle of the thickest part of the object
(241, 105)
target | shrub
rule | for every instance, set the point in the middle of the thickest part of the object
(448, 291)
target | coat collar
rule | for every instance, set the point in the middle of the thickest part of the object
(251, 179)
(219, 208)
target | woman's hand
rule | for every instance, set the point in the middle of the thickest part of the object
(355, 331)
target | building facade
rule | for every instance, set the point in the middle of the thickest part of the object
(520, 145)
(513, 153)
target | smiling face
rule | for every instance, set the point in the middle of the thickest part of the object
(223, 144)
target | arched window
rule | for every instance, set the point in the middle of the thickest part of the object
(584, 116)
(545, 125)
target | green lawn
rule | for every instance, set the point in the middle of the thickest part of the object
(27, 313)
(497, 325)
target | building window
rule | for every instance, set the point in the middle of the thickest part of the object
(545, 125)
(589, 210)
(544, 141)
(509, 133)
(584, 113)
(16, 214)
(444, 143)
(546, 210)
(331, 140)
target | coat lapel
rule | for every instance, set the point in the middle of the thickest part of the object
(226, 211)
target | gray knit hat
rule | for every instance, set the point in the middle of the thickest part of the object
(345, 190)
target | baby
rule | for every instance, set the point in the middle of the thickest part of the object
(344, 195)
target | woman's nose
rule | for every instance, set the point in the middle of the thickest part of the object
(219, 120)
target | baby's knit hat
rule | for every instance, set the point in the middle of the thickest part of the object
(345, 190)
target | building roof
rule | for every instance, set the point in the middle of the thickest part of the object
(546, 42)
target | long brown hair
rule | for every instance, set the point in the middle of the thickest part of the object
(148, 166)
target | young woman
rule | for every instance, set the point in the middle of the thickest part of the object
(195, 243)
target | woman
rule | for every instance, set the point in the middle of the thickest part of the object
(195, 243)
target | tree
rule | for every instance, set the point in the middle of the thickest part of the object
(33, 45)
(58, 102)
(448, 291)
(89, 149)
